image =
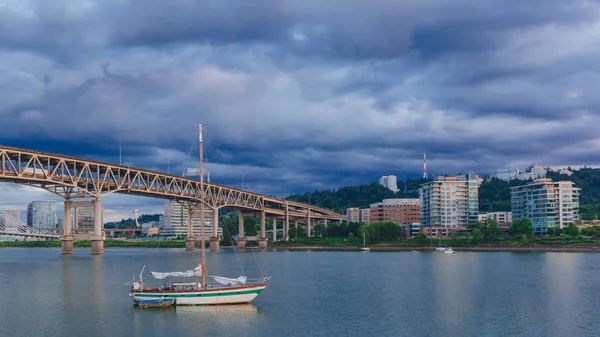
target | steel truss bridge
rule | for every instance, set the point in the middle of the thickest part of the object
(78, 178)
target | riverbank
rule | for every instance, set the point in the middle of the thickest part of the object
(473, 248)
(591, 247)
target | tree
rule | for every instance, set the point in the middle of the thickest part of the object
(364, 230)
(250, 226)
(572, 230)
(320, 231)
(476, 235)
(490, 229)
(293, 232)
(351, 237)
(524, 240)
(421, 238)
(520, 227)
(384, 231)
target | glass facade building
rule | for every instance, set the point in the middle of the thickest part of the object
(42, 215)
(546, 204)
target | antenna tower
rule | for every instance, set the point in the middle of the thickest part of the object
(424, 166)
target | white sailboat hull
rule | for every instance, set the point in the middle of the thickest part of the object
(214, 296)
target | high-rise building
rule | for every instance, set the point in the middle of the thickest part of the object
(176, 221)
(546, 204)
(450, 201)
(353, 214)
(389, 182)
(42, 215)
(400, 211)
(365, 215)
(84, 218)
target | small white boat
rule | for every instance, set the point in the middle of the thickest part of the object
(449, 251)
(440, 249)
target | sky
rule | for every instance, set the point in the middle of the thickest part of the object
(298, 96)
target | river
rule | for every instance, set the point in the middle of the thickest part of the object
(310, 294)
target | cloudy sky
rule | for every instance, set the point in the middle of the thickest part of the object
(301, 95)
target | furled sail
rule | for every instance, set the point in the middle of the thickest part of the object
(230, 281)
(188, 273)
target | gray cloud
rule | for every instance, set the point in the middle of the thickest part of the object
(298, 96)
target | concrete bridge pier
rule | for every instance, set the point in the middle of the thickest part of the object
(308, 220)
(67, 239)
(190, 241)
(274, 229)
(98, 238)
(214, 239)
(286, 224)
(242, 240)
(262, 242)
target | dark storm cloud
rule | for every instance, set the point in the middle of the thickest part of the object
(304, 95)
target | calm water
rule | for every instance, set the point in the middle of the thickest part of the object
(311, 294)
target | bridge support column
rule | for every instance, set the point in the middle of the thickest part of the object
(286, 224)
(67, 239)
(274, 229)
(190, 241)
(308, 220)
(262, 243)
(214, 239)
(242, 240)
(97, 238)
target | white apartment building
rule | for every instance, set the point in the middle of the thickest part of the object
(353, 214)
(501, 217)
(390, 182)
(546, 204)
(532, 172)
(450, 201)
(176, 221)
(365, 215)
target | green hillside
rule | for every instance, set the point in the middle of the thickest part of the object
(494, 195)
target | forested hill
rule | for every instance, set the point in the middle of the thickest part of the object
(357, 196)
(494, 195)
(130, 223)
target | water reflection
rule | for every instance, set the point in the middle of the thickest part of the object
(562, 271)
(220, 311)
(456, 279)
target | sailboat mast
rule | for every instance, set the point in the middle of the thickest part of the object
(202, 252)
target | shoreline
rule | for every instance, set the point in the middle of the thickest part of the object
(591, 248)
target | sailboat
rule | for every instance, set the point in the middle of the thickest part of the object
(224, 290)
(364, 248)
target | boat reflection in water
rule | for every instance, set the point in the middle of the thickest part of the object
(233, 311)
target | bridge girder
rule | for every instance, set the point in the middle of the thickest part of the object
(71, 177)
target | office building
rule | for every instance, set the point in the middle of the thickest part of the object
(401, 211)
(353, 214)
(365, 215)
(42, 215)
(389, 182)
(546, 204)
(450, 202)
(84, 218)
(532, 172)
(176, 221)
